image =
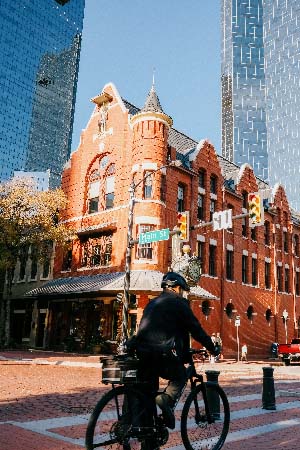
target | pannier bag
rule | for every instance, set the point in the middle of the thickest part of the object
(119, 369)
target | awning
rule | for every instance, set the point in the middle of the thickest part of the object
(140, 281)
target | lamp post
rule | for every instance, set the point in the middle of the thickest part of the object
(285, 316)
(130, 243)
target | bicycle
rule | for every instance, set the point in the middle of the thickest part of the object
(116, 423)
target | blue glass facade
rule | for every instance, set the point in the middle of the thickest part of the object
(282, 71)
(39, 54)
(243, 85)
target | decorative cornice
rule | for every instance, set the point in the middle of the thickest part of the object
(162, 117)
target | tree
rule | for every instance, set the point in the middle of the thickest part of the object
(27, 218)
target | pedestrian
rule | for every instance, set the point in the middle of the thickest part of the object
(219, 343)
(244, 352)
(213, 339)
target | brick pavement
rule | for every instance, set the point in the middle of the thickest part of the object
(46, 399)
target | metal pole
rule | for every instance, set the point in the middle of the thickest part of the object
(126, 298)
(238, 343)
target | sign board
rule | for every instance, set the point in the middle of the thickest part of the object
(222, 220)
(154, 236)
(237, 322)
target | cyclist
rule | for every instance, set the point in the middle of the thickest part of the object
(163, 341)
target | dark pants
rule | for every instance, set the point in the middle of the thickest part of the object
(155, 365)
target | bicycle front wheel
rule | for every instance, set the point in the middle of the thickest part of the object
(205, 427)
(115, 420)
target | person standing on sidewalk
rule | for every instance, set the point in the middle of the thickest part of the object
(244, 352)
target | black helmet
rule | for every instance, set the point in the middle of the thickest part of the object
(173, 279)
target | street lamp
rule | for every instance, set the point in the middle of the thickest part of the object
(129, 246)
(285, 316)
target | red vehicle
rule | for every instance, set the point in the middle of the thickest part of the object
(289, 352)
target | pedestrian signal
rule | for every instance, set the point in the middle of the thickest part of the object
(254, 207)
(184, 226)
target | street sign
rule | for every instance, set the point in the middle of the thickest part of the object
(222, 220)
(154, 236)
(237, 322)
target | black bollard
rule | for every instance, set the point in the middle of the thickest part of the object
(212, 396)
(268, 392)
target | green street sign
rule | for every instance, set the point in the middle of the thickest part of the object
(154, 236)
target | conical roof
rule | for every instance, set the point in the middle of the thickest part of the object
(152, 103)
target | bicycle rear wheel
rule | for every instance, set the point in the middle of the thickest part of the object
(196, 430)
(116, 422)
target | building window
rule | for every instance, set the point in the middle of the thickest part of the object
(287, 280)
(296, 245)
(297, 282)
(279, 278)
(229, 264)
(202, 178)
(23, 256)
(245, 199)
(145, 251)
(254, 272)
(245, 269)
(212, 260)
(96, 251)
(213, 184)
(67, 258)
(267, 232)
(285, 242)
(212, 208)
(148, 184)
(46, 268)
(201, 251)
(34, 262)
(229, 206)
(180, 198)
(163, 188)
(244, 227)
(110, 192)
(94, 188)
(200, 209)
(267, 275)
(253, 234)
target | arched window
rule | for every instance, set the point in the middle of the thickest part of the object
(230, 310)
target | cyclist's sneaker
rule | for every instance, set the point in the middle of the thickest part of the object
(165, 404)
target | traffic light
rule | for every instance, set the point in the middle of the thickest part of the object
(184, 225)
(254, 208)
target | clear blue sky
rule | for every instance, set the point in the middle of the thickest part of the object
(124, 39)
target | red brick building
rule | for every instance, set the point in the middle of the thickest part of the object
(248, 272)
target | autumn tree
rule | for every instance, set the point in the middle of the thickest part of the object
(28, 217)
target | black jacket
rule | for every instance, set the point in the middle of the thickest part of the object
(168, 321)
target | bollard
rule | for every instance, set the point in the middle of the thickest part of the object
(212, 396)
(268, 392)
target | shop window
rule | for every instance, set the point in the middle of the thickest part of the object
(145, 251)
(229, 265)
(245, 269)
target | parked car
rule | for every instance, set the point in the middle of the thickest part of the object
(289, 352)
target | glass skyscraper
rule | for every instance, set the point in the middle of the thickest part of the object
(244, 137)
(261, 89)
(282, 72)
(39, 58)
